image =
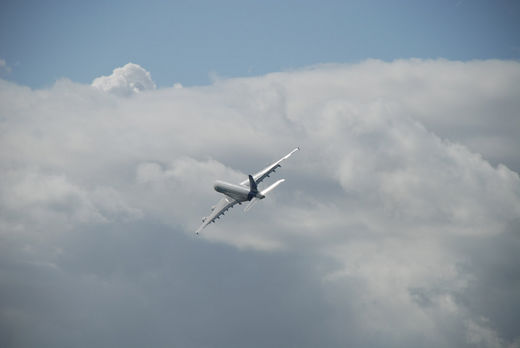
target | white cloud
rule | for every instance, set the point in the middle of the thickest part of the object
(398, 183)
(127, 80)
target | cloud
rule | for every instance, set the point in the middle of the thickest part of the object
(127, 80)
(403, 202)
(4, 66)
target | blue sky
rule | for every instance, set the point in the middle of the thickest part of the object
(188, 41)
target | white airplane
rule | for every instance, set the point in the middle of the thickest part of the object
(247, 190)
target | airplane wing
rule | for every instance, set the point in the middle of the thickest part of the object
(264, 173)
(220, 208)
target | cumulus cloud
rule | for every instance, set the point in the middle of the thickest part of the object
(126, 80)
(404, 202)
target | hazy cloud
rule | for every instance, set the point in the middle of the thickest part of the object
(403, 203)
(4, 67)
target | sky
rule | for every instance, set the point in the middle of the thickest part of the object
(398, 224)
(188, 42)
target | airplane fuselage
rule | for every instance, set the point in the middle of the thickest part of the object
(237, 192)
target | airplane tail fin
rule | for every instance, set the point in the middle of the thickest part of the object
(252, 184)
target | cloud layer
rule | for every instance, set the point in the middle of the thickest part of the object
(403, 203)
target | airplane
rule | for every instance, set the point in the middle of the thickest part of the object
(247, 190)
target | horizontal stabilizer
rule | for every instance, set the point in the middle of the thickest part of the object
(270, 188)
(263, 193)
(251, 204)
